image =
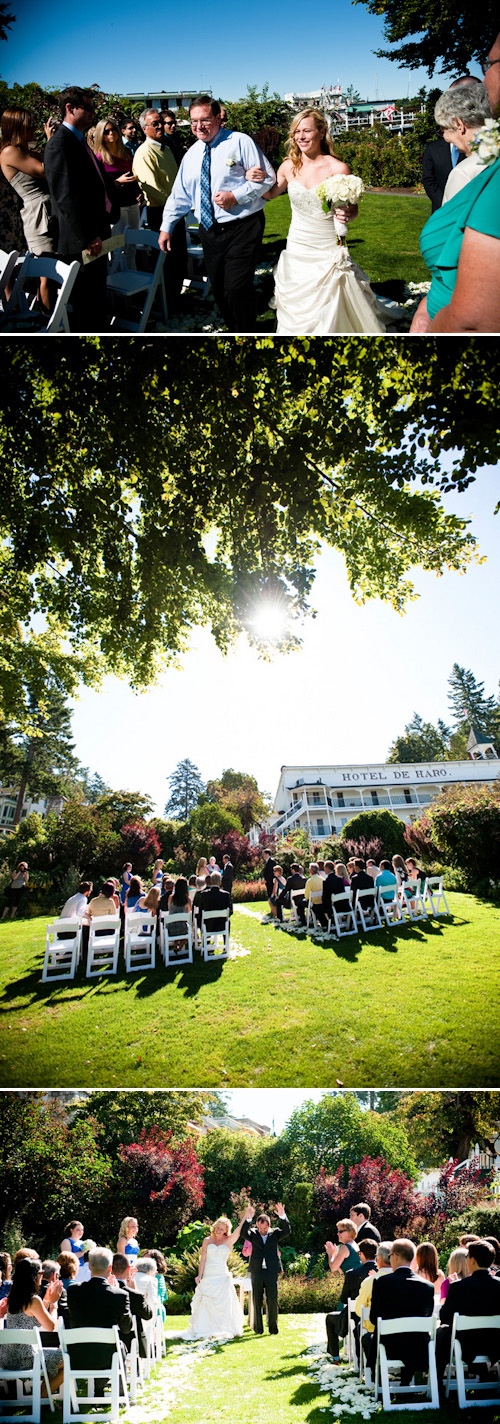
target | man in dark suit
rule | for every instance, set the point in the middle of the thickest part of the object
(296, 881)
(337, 1321)
(399, 1296)
(477, 1294)
(264, 1265)
(333, 885)
(362, 881)
(361, 1217)
(268, 872)
(98, 1303)
(123, 1271)
(436, 167)
(83, 206)
(227, 874)
(215, 899)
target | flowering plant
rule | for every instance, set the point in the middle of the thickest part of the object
(487, 141)
(345, 190)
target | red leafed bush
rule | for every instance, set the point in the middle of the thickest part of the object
(248, 890)
(161, 1183)
(242, 855)
(140, 845)
(387, 1190)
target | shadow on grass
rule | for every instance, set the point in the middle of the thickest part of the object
(30, 986)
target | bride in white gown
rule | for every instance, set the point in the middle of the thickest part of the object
(215, 1308)
(318, 288)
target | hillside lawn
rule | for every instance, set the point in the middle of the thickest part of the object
(414, 1007)
(265, 1379)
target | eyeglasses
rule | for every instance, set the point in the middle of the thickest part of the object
(155, 124)
(201, 123)
(487, 64)
(109, 131)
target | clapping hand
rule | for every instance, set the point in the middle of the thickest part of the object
(329, 1248)
(280, 1210)
(53, 1292)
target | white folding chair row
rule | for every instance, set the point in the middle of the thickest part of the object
(461, 1383)
(389, 905)
(368, 915)
(130, 284)
(62, 273)
(61, 955)
(295, 896)
(114, 1373)
(434, 896)
(183, 936)
(139, 940)
(311, 915)
(365, 1374)
(104, 945)
(26, 1406)
(212, 937)
(412, 1325)
(411, 900)
(342, 916)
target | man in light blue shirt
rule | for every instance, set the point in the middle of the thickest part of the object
(212, 181)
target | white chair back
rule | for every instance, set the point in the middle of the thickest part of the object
(343, 919)
(368, 915)
(434, 897)
(140, 940)
(463, 1324)
(61, 955)
(26, 1406)
(389, 908)
(212, 937)
(63, 273)
(131, 284)
(410, 1325)
(115, 1372)
(182, 936)
(104, 944)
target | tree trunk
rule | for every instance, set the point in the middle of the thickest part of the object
(24, 783)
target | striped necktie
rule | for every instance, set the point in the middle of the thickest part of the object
(207, 215)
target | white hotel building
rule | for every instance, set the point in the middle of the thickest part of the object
(320, 799)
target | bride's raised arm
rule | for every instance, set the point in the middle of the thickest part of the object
(247, 1214)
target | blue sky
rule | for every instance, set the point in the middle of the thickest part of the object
(127, 48)
(299, 708)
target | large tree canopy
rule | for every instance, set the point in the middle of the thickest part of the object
(142, 497)
(446, 36)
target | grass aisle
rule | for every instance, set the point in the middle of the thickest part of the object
(265, 1379)
(414, 1007)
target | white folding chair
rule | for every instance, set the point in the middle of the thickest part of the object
(411, 901)
(311, 916)
(133, 1365)
(102, 953)
(211, 936)
(131, 284)
(196, 272)
(25, 1406)
(139, 940)
(113, 1374)
(369, 915)
(344, 920)
(182, 936)
(61, 955)
(461, 1383)
(8, 262)
(295, 895)
(391, 907)
(352, 1349)
(33, 268)
(434, 895)
(412, 1325)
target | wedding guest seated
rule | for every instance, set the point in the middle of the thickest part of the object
(414, 871)
(179, 903)
(76, 906)
(133, 893)
(456, 1270)
(461, 113)
(145, 1280)
(334, 884)
(428, 1266)
(344, 1257)
(401, 1295)
(216, 899)
(321, 869)
(68, 1268)
(296, 881)
(97, 1302)
(386, 878)
(361, 881)
(313, 893)
(51, 1272)
(477, 1294)
(384, 1268)
(496, 1247)
(372, 868)
(361, 1215)
(161, 1272)
(149, 902)
(26, 1309)
(167, 886)
(337, 1321)
(192, 883)
(124, 1272)
(104, 904)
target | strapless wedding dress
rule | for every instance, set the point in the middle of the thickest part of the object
(319, 290)
(215, 1308)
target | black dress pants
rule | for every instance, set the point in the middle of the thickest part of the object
(231, 251)
(269, 1284)
(88, 298)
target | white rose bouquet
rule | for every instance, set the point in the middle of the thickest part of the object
(342, 191)
(486, 142)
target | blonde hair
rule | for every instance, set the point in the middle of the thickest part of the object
(347, 1225)
(321, 125)
(457, 1264)
(99, 144)
(125, 1225)
(152, 899)
(222, 1221)
(201, 864)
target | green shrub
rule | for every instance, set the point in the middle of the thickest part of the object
(177, 1304)
(482, 1220)
(183, 1272)
(465, 825)
(373, 825)
(300, 1296)
(248, 890)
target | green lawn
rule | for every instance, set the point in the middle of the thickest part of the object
(414, 1007)
(264, 1379)
(384, 239)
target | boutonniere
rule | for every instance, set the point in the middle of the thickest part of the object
(230, 162)
(486, 142)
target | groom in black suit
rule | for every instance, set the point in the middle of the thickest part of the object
(264, 1265)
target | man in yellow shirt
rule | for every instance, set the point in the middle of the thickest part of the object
(313, 892)
(155, 168)
(383, 1264)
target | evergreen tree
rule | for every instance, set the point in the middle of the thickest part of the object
(421, 741)
(186, 787)
(469, 705)
(42, 761)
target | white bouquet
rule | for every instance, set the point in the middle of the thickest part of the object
(343, 191)
(486, 142)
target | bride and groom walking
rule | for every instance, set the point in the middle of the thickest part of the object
(215, 1308)
(225, 180)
